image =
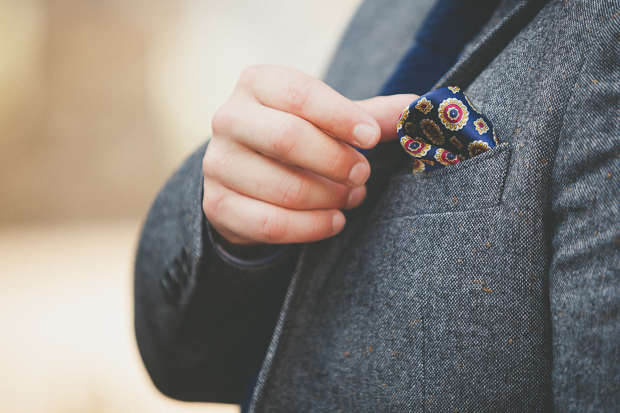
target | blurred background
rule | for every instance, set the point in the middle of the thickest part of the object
(99, 102)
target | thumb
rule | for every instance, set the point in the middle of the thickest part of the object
(387, 110)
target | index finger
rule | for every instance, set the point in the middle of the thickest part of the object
(292, 91)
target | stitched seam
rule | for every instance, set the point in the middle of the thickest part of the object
(424, 338)
(499, 150)
(433, 214)
(505, 178)
(272, 351)
(595, 40)
(548, 208)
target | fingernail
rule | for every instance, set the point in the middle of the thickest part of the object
(359, 173)
(364, 134)
(338, 222)
(356, 196)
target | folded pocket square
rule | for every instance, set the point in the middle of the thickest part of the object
(443, 128)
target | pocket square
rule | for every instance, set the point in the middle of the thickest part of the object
(444, 128)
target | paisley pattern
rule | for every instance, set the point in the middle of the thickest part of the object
(410, 128)
(478, 147)
(441, 137)
(454, 141)
(432, 131)
(418, 165)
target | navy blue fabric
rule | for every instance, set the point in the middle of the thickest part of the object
(450, 25)
(443, 128)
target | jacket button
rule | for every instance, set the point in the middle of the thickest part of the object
(170, 288)
(183, 268)
(175, 278)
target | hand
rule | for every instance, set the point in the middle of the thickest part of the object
(281, 164)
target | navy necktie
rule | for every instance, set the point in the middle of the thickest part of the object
(448, 27)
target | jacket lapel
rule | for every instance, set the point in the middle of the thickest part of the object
(513, 18)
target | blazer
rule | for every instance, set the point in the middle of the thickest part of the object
(492, 285)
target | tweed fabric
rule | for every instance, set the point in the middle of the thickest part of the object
(492, 285)
(205, 343)
(467, 309)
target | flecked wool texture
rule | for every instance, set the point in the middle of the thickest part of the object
(493, 285)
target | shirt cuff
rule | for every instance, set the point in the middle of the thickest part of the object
(261, 256)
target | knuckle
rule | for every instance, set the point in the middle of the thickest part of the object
(274, 226)
(222, 120)
(339, 165)
(296, 97)
(214, 160)
(206, 159)
(250, 74)
(293, 192)
(341, 197)
(336, 119)
(319, 227)
(213, 202)
(283, 138)
(209, 204)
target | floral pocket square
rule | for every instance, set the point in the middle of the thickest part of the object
(443, 128)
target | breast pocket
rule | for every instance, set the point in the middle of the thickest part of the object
(476, 183)
(456, 295)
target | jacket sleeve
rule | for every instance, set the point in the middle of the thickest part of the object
(202, 323)
(585, 268)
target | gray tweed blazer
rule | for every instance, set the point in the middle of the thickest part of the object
(493, 285)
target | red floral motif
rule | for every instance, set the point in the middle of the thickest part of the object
(413, 147)
(453, 114)
(446, 157)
